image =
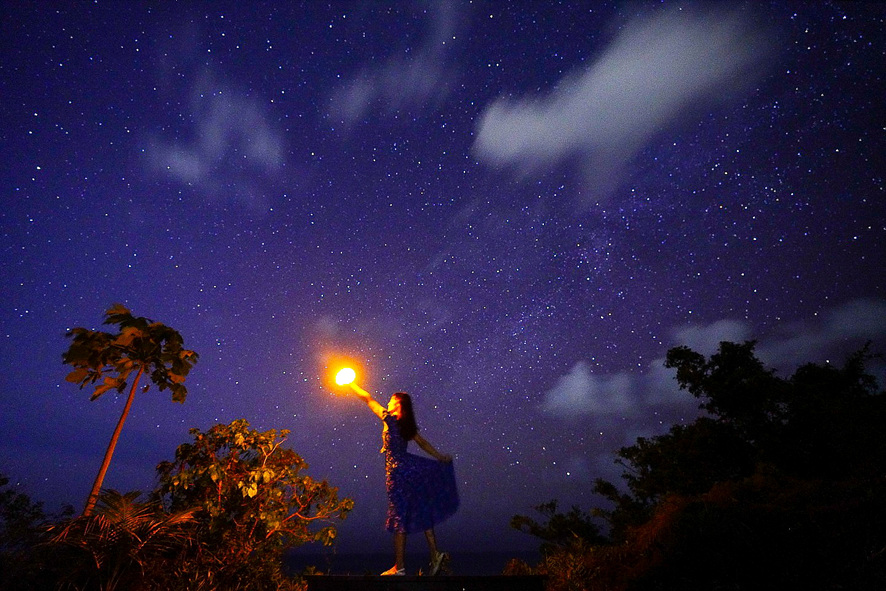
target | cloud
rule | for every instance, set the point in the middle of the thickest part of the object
(852, 324)
(233, 151)
(410, 81)
(706, 339)
(581, 392)
(659, 70)
(620, 395)
(842, 329)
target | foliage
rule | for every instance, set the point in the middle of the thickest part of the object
(688, 460)
(141, 346)
(221, 518)
(568, 568)
(19, 518)
(21, 525)
(561, 530)
(781, 485)
(122, 546)
(253, 502)
(108, 360)
(769, 530)
(734, 386)
(820, 423)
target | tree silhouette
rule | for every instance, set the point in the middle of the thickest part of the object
(561, 530)
(109, 360)
(779, 485)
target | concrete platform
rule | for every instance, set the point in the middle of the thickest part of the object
(410, 583)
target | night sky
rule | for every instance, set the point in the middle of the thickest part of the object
(510, 210)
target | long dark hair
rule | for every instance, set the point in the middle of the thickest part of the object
(406, 422)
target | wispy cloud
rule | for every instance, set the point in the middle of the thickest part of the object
(231, 151)
(706, 339)
(659, 70)
(841, 330)
(582, 392)
(412, 81)
(855, 323)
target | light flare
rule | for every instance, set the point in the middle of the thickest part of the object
(345, 376)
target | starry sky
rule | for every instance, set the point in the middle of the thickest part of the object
(510, 210)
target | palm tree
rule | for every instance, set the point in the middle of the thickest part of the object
(121, 542)
(108, 360)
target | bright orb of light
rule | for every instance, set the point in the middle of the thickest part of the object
(345, 376)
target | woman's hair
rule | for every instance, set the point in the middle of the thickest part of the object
(406, 422)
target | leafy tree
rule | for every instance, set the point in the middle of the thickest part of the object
(687, 460)
(108, 360)
(821, 422)
(780, 482)
(560, 530)
(253, 503)
(19, 518)
(779, 486)
(21, 527)
(835, 415)
(123, 545)
(734, 386)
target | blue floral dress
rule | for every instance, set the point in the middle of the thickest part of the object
(421, 491)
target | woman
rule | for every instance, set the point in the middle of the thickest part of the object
(421, 491)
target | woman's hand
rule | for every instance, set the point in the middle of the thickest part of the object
(429, 449)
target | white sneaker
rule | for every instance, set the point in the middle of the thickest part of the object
(394, 571)
(437, 562)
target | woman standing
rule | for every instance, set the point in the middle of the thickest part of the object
(421, 491)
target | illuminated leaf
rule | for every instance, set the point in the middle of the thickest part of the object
(99, 390)
(78, 375)
(116, 310)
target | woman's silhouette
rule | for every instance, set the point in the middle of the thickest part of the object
(421, 491)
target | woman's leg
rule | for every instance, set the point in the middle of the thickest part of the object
(400, 549)
(432, 543)
(438, 559)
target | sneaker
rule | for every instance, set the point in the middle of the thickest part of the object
(394, 571)
(437, 562)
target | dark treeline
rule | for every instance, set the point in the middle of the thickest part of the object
(781, 485)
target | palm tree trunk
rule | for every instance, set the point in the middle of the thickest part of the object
(96, 487)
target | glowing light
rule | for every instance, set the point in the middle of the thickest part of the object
(345, 376)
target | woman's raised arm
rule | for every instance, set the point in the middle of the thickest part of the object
(374, 406)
